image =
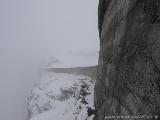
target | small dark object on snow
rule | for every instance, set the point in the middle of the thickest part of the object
(90, 111)
(83, 101)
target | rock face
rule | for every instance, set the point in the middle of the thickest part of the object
(129, 64)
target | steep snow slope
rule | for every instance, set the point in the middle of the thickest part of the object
(61, 96)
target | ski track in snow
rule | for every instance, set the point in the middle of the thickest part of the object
(61, 96)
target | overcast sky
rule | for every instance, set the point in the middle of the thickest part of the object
(33, 30)
(43, 28)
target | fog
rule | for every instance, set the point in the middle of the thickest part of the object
(32, 32)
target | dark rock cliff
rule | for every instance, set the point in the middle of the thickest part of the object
(128, 80)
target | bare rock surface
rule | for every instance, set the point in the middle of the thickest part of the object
(129, 67)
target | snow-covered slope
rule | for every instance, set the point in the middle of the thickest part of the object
(61, 96)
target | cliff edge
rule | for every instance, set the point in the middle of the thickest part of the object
(128, 80)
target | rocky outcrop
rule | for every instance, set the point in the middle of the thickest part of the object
(128, 80)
